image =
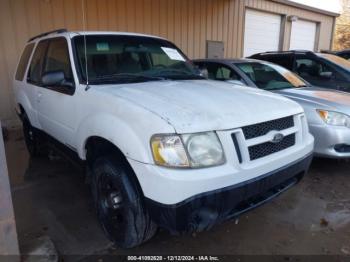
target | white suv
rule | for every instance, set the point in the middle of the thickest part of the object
(162, 145)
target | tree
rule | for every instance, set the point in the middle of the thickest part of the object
(342, 28)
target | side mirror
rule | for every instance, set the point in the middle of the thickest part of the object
(326, 75)
(204, 72)
(57, 81)
(55, 78)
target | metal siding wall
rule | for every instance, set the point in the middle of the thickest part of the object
(324, 20)
(9, 47)
(188, 23)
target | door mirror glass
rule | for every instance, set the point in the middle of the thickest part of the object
(55, 78)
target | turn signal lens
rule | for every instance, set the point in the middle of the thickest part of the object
(169, 151)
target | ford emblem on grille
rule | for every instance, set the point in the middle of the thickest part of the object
(277, 138)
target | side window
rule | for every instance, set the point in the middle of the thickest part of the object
(35, 69)
(308, 67)
(282, 60)
(159, 60)
(221, 72)
(345, 56)
(57, 58)
(211, 68)
(224, 73)
(23, 62)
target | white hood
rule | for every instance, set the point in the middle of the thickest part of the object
(204, 105)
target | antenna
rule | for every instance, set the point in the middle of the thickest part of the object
(85, 52)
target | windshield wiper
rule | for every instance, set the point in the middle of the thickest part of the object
(126, 77)
(285, 87)
(177, 73)
(279, 88)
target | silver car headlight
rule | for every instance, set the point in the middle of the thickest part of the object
(189, 150)
(334, 118)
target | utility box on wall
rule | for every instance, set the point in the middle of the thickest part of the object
(215, 49)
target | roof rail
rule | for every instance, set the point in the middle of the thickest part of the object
(57, 31)
(328, 52)
(301, 50)
(284, 52)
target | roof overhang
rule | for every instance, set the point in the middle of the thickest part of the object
(307, 7)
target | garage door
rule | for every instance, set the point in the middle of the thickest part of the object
(262, 32)
(303, 35)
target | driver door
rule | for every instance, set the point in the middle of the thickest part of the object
(57, 109)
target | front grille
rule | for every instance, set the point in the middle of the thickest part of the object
(261, 129)
(238, 151)
(267, 148)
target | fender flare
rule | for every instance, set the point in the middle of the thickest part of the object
(116, 131)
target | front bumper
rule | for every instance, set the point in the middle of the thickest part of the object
(328, 140)
(202, 211)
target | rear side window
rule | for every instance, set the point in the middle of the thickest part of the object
(57, 58)
(23, 62)
(36, 65)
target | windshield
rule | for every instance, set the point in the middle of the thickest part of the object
(336, 60)
(270, 76)
(130, 59)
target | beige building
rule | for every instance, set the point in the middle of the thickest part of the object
(228, 28)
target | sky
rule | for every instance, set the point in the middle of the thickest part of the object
(329, 5)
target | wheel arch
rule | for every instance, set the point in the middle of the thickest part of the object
(117, 132)
(97, 147)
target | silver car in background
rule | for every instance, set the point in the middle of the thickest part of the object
(327, 111)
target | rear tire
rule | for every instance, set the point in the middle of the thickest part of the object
(119, 203)
(30, 137)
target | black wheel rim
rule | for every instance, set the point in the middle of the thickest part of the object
(110, 203)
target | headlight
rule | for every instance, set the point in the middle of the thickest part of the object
(189, 150)
(168, 150)
(334, 118)
(204, 149)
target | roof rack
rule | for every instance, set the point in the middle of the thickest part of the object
(284, 52)
(301, 50)
(57, 31)
(328, 52)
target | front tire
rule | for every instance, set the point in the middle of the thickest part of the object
(30, 137)
(119, 203)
